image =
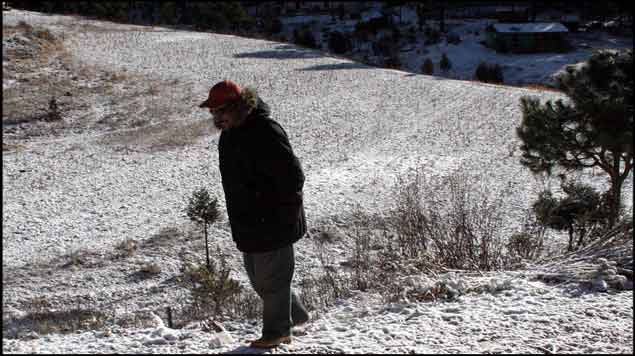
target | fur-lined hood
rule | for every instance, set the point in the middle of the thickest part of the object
(252, 105)
(249, 97)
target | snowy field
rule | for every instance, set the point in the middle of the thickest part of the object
(355, 129)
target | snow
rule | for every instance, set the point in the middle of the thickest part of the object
(355, 131)
(530, 27)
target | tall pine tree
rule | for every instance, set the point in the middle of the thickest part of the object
(593, 129)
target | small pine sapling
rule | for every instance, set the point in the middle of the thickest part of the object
(203, 210)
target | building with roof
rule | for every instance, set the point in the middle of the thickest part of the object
(527, 37)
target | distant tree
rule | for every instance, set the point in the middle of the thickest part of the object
(593, 129)
(341, 11)
(339, 43)
(489, 73)
(221, 16)
(395, 5)
(272, 26)
(445, 63)
(392, 61)
(427, 67)
(422, 9)
(168, 13)
(432, 36)
(441, 10)
(453, 38)
(304, 37)
(202, 209)
(236, 15)
(396, 34)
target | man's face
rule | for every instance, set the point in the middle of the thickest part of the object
(224, 116)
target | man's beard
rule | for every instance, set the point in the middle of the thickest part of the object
(217, 123)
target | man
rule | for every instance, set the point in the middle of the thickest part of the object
(262, 180)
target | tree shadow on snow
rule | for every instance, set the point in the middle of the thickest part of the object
(337, 66)
(282, 52)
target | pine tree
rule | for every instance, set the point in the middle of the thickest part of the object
(427, 67)
(593, 129)
(445, 63)
(202, 209)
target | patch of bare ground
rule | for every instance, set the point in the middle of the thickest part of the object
(162, 136)
(48, 93)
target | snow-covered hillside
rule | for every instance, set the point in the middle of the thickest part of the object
(355, 129)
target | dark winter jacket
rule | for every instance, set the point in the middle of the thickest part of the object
(263, 181)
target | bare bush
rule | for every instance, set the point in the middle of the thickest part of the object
(246, 304)
(320, 291)
(128, 247)
(522, 245)
(458, 223)
(528, 243)
(362, 261)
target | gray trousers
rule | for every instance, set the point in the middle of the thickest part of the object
(270, 274)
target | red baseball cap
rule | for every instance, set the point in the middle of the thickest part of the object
(221, 94)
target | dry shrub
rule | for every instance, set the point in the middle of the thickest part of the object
(527, 244)
(128, 247)
(165, 237)
(24, 26)
(7, 147)
(80, 258)
(45, 35)
(321, 290)
(458, 223)
(212, 289)
(153, 89)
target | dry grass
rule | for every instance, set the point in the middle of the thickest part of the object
(8, 147)
(163, 136)
(42, 319)
(127, 247)
(76, 87)
(81, 258)
(25, 103)
(153, 89)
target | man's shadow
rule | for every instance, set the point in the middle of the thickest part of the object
(247, 350)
